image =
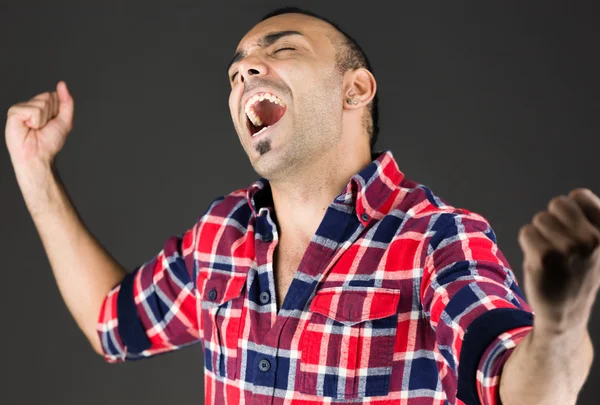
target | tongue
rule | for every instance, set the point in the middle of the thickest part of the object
(269, 112)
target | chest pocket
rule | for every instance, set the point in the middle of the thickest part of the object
(222, 316)
(347, 345)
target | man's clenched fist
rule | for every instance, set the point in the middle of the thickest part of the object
(562, 261)
(36, 129)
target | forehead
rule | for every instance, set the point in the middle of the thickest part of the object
(314, 30)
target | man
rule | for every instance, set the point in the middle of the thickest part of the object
(334, 278)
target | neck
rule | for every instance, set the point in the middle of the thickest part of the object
(301, 202)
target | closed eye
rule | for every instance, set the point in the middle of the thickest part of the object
(285, 49)
(232, 78)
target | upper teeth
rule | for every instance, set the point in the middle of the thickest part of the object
(249, 109)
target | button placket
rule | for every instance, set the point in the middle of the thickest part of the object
(266, 236)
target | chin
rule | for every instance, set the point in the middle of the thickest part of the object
(267, 164)
(270, 163)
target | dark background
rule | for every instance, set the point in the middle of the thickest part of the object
(494, 106)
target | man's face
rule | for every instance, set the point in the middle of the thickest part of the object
(290, 61)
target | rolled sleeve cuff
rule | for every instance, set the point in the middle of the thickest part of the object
(490, 366)
(488, 342)
(122, 335)
(108, 332)
(130, 326)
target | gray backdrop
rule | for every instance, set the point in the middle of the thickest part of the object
(494, 106)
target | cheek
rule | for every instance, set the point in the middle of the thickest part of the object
(317, 85)
(231, 105)
(234, 97)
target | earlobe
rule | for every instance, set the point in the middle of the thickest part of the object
(361, 88)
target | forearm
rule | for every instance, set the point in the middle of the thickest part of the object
(547, 369)
(83, 269)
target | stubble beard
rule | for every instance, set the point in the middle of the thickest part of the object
(308, 140)
(277, 164)
(302, 147)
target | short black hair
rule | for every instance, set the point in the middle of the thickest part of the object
(350, 57)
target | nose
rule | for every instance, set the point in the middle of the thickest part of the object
(252, 66)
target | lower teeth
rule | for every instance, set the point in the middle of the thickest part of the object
(260, 131)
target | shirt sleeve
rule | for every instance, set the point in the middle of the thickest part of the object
(473, 303)
(492, 361)
(153, 310)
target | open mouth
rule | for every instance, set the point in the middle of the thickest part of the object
(263, 110)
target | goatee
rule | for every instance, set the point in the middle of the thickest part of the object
(263, 146)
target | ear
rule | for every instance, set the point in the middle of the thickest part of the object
(359, 88)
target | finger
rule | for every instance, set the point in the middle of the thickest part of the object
(49, 107)
(589, 204)
(572, 217)
(45, 99)
(554, 232)
(564, 209)
(66, 107)
(49, 99)
(29, 115)
(51, 114)
(35, 102)
(55, 104)
(533, 244)
(43, 103)
(42, 96)
(44, 113)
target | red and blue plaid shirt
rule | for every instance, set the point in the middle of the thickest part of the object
(400, 298)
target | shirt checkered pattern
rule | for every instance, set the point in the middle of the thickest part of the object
(400, 298)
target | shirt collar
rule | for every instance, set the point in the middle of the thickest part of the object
(371, 191)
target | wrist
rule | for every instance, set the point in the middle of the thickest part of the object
(40, 188)
(547, 335)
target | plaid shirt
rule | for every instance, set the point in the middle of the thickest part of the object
(400, 298)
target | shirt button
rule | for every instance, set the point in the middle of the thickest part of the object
(264, 297)
(268, 237)
(364, 216)
(212, 294)
(264, 365)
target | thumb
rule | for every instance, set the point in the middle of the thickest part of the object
(66, 104)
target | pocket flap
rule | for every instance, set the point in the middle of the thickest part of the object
(351, 305)
(223, 287)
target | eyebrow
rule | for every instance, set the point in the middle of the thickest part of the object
(265, 41)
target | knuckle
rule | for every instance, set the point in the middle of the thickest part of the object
(539, 218)
(525, 231)
(13, 108)
(579, 192)
(557, 203)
